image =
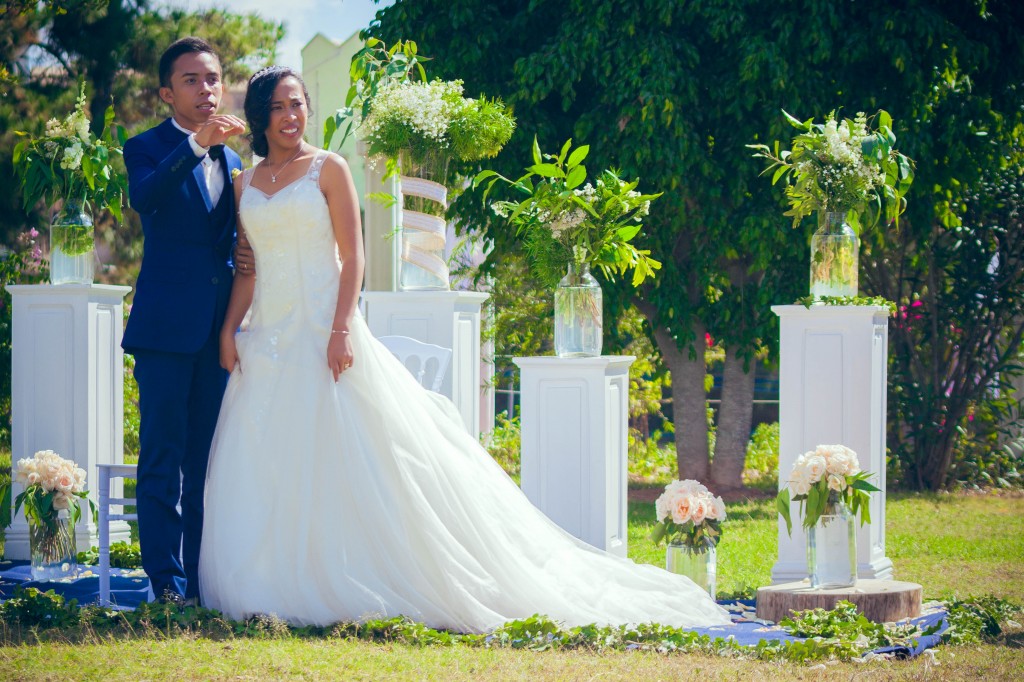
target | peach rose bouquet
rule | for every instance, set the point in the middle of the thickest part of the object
(51, 484)
(689, 515)
(821, 479)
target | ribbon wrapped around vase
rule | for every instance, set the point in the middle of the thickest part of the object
(423, 237)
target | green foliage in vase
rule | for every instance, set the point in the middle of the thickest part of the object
(842, 165)
(564, 219)
(808, 301)
(416, 121)
(820, 479)
(70, 164)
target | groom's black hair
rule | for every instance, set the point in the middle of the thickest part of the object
(257, 102)
(187, 45)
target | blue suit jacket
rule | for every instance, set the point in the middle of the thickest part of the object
(185, 280)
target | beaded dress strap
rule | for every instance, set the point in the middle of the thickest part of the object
(317, 165)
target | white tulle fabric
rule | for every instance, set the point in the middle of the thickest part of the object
(367, 498)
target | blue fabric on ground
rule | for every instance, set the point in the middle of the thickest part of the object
(129, 588)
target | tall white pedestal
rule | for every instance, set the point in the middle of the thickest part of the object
(574, 427)
(67, 390)
(445, 318)
(832, 389)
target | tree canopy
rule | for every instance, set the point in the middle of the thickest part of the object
(672, 93)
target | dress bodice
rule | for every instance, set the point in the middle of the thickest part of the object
(297, 263)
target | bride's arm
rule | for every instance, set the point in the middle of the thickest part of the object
(336, 184)
(238, 305)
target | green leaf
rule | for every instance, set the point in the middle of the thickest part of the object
(547, 170)
(861, 484)
(537, 158)
(782, 505)
(564, 151)
(576, 177)
(578, 154)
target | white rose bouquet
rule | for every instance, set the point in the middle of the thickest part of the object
(822, 478)
(690, 515)
(51, 484)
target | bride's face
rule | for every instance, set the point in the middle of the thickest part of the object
(288, 114)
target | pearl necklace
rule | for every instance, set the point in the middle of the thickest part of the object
(273, 175)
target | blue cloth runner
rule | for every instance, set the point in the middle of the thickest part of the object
(129, 588)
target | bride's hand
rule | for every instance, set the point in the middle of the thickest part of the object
(229, 353)
(339, 352)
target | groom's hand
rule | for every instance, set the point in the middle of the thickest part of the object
(218, 129)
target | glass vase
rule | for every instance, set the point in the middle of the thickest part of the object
(72, 244)
(835, 249)
(832, 547)
(696, 562)
(423, 201)
(52, 548)
(578, 317)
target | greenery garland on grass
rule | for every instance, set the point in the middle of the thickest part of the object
(33, 616)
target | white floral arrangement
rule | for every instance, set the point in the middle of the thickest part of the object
(822, 478)
(51, 484)
(418, 121)
(72, 166)
(689, 514)
(842, 165)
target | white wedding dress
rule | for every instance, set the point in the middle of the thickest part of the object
(367, 498)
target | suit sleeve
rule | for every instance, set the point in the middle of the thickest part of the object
(153, 181)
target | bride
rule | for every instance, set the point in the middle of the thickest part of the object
(338, 488)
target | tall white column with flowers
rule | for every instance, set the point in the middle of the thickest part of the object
(67, 388)
(833, 381)
(574, 427)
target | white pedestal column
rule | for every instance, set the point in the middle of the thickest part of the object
(444, 318)
(832, 389)
(379, 222)
(574, 428)
(67, 390)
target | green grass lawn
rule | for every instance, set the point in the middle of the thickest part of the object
(951, 544)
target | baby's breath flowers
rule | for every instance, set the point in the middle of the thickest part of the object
(842, 165)
(562, 218)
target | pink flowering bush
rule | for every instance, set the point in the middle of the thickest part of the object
(689, 514)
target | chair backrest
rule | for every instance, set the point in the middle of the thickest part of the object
(427, 362)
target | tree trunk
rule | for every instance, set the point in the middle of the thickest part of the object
(689, 403)
(734, 417)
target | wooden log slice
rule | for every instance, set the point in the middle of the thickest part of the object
(881, 601)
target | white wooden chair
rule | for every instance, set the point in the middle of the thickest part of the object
(427, 362)
(107, 474)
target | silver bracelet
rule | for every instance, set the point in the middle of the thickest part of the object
(339, 331)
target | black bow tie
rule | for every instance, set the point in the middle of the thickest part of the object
(216, 152)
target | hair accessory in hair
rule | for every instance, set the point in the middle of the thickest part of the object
(266, 71)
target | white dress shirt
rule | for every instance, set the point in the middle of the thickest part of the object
(212, 170)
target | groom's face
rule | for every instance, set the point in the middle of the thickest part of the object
(195, 89)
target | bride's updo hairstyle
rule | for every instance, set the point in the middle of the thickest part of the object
(257, 102)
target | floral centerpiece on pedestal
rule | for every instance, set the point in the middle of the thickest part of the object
(832, 491)
(70, 167)
(571, 225)
(690, 520)
(852, 176)
(53, 488)
(418, 127)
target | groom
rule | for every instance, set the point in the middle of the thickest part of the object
(179, 181)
